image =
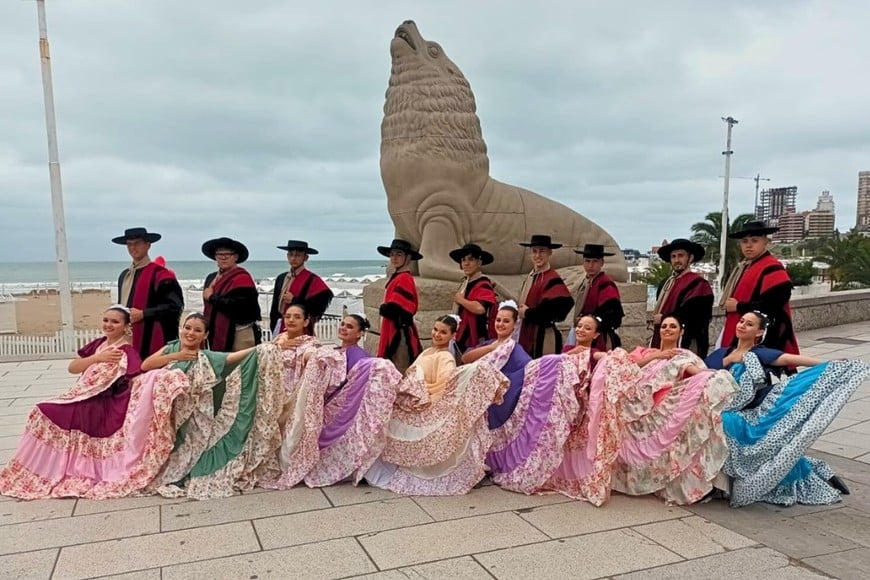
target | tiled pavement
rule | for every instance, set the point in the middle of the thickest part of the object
(344, 531)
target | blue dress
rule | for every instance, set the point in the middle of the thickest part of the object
(769, 425)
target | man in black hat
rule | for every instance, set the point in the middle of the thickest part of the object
(298, 284)
(598, 296)
(230, 300)
(686, 295)
(400, 340)
(475, 300)
(760, 282)
(151, 292)
(544, 301)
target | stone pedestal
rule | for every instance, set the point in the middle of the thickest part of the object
(436, 299)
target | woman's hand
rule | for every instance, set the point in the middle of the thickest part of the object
(185, 355)
(109, 355)
(669, 353)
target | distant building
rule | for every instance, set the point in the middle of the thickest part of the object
(791, 226)
(630, 254)
(776, 202)
(862, 221)
(822, 220)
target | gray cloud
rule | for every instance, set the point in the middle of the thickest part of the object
(262, 121)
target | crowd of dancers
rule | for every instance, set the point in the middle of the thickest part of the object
(195, 407)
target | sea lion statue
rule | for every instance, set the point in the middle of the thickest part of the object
(435, 172)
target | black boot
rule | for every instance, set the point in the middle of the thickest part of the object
(839, 485)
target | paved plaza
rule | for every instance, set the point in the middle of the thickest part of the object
(343, 531)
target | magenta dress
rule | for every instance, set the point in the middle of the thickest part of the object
(106, 437)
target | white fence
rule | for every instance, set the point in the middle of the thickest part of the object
(18, 346)
(23, 346)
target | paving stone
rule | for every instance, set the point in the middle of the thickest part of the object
(448, 539)
(347, 494)
(464, 568)
(841, 449)
(10, 430)
(757, 562)
(241, 507)
(332, 559)
(98, 506)
(338, 522)
(25, 402)
(590, 556)
(862, 427)
(864, 458)
(694, 537)
(856, 410)
(850, 564)
(484, 500)
(840, 423)
(15, 512)
(11, 441)
(578, 517)
(68, 531)
(152, 574)
(131, 554)
(848, 469)
(36, 564)
(846, 522)
(785, 534)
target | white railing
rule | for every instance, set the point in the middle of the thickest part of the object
(19, 346)
(23, 346)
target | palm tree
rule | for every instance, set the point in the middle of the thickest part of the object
(843, 254)
(658, 272)
(708, 234)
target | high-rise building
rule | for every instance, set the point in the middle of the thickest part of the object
(776, 202)
(862, 221)
(821, 221)
(792, 226)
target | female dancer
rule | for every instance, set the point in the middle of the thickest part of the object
(226, 422)
(676, 446)
(438, 435)
(106, 437)
(769, 426)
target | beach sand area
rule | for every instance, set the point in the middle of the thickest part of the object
(38, 314)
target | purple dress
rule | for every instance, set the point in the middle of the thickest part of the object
(103, 414)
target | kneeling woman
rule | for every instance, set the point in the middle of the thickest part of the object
(533, 422)
(106, 437)
(770, 425)
(226, 424)
(675, 447)
(356, 411)
(438, 436)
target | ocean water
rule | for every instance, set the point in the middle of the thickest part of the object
(22, 277)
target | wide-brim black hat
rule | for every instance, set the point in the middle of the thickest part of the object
(593, 251)
(298, 245)
(756, 228)
(540, 240)
(697, 250)
(472, 250)
(402, 245)
(212, 246)
(137, 234)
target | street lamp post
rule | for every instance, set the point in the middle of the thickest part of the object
(723, 236)
(66, 312)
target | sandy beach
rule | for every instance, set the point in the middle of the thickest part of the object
(39, 313)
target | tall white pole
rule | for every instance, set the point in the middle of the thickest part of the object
(66, 311)
(723, 236)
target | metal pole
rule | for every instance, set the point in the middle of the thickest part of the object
(66, 311)
(757, 178)
(723, 236)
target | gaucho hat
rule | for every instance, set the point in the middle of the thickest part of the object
(756, 228)
(697, 250)
(298, 245)
(541, 240)
(472, 250)
(594, 251)
(211, 247)
(137, 234)
(402, 245)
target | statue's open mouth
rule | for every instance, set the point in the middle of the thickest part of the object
(402, 33)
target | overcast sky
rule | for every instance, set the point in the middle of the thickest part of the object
(261, 120)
